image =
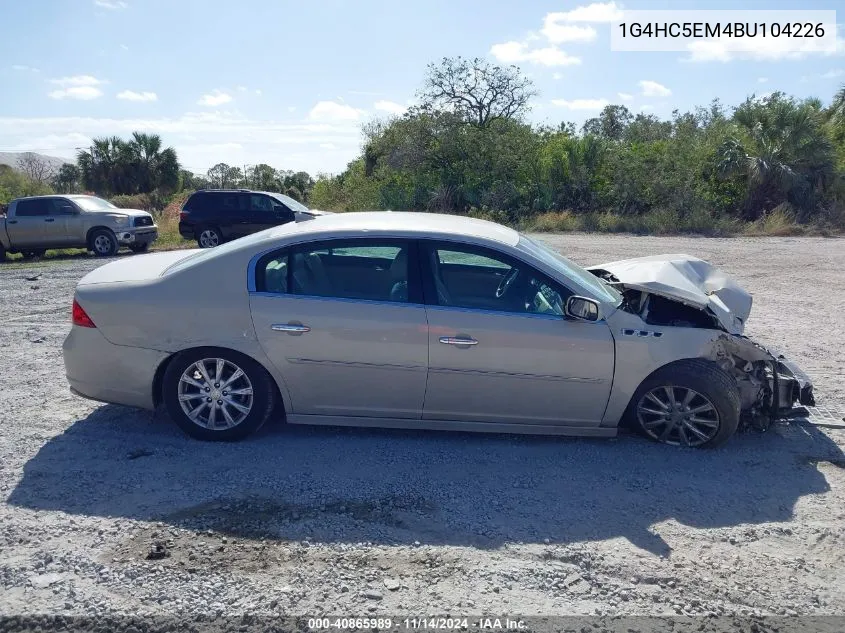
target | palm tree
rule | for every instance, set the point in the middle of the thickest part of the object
(781, 152)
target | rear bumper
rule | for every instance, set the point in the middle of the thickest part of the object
(145, 235)
(187, 231)
(100, 370)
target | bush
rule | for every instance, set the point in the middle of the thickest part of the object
(140, 201)
(778, 222)
(554, 222)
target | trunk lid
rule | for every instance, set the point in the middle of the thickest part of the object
(687, 279)
(135, 268)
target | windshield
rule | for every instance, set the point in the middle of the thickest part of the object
(570, 270)
(290, 203)
(90, 203)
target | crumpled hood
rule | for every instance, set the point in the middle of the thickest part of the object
(689, 280)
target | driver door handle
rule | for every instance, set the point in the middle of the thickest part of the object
(455, 340)
(290, 328)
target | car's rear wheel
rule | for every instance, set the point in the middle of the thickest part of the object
(2, 253)
(218, 395)
(687, 403)
(139, 248)
(209, 237)
(103, 243)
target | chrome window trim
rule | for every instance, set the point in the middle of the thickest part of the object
(285, 295)
(530, 315)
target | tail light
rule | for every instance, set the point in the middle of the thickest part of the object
(80, 317)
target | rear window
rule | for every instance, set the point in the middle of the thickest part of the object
(35, 207)
(197, 202)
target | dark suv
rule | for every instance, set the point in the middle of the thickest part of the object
(213, 216)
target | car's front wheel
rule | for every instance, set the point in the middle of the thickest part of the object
(218, 395)
(209, 237)
(691, 402)
(103, 243)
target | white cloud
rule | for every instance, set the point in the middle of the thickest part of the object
(513, 52)
(833, 74)
(328, 146)
(111, 4)
(389, 106)
(759, 49)
(595, 12)
(82, 87)
(77, 80)
(625, 96)
(258, 91)
(332, 111)
(646, 107)
(24, 68)
(201, 139)
(83, 93)
(558, 33)
(581, 104)
(241, 88)
(557, 76)
(654, 89)
(291, 108)
(130, 95)
(214, 98)
(762, 80)
(124, 47)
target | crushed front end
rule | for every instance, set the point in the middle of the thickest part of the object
(771, 387)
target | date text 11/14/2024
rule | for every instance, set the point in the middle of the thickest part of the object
(418, 623)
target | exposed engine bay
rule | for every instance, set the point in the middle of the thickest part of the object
(769, 385)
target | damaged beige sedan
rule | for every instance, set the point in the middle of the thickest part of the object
(410, 320)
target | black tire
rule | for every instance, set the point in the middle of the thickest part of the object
(710, 383)
(139, 248)
(209, 236)
(2, 253)
(38, 252)
(103, 243)
(263, 396)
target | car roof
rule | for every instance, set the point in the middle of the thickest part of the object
(403, 222)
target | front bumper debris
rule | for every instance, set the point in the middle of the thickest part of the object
(146, 235)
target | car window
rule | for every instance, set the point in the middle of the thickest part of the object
(344, 270)
(231, 202)
(60, 206)
(477, 278)
(469, 259)
(34, 207)
(258, 202)
(197, 202)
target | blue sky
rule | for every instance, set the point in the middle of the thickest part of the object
(290, 83)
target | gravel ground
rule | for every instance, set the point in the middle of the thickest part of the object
(344, 521)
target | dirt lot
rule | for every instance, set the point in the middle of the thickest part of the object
(309, 521)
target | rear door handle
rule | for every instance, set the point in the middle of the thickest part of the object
(12, 222)
(290, 328)
(455, 340)
(50, 220)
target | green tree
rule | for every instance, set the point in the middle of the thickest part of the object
(781, 154)
(68, 179)
(478, 91)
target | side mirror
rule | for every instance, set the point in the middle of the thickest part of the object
(67, 210)
(582, 308)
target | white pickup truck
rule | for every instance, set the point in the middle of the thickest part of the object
(32, 225)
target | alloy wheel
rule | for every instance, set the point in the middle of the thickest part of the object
(215, 394)
(209, 239)
(678, 415)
